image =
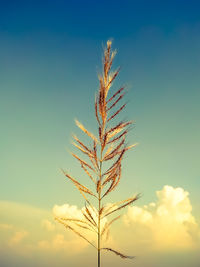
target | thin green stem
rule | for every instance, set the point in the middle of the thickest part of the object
(99, 219)
(99, 237)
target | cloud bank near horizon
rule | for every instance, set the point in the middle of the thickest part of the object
(164, 226)
(168, 223)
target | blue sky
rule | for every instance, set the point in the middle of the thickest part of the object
(50, 57)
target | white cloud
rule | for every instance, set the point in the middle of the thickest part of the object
(49, 226)
(168, 223)
(137, 214)
(67, 211)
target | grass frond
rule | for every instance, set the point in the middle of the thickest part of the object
(82, 144)
(87, 217)
(123, 206)
(75, 231)
(87, 172)
(117, 112)
(107, 224)
(80, 125)
(82, 162)
(119, 253)
(114, 104)
(96, 111)
(115, 94)
(118, 137)
(113, 153)
(78, 185)
(90, 215)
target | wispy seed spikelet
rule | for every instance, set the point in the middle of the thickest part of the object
(114, 151)
(94, 164)
(80, 125)
(85, 227)
(127, 148)
(117, 129)
(117, 112)
(96, 111)
(118, 99)
(81, 149)
(109, 177)
(101, 210)
(116, 182)
(81, 143)
(110, 187)
(123, 206)
(88, 219)
(119, 253)
(87, 172)
(113, 76)
(116, 163)
(115, 178)
(82, 162)
(115, 94)
(100, 134)
(78, 185)
(106, 226)
(115, 205)
(95, 154)
(111, 60)
(108, 149)
(98, 185)
(103, 144)
(73, 220)
(76, 232)
(118, 137)
(79, 223)
(92, 207)
(90, 215)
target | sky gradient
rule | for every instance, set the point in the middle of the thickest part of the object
(50, 57)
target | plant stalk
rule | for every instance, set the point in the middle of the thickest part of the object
(99, 219)
(99, 237)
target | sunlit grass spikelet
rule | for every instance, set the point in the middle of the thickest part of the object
(104, 160)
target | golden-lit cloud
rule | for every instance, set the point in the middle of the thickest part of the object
(168, 224)
(17, 238)
(49, 226)
(67, 211)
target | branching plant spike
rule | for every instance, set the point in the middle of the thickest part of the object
(109, 147)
